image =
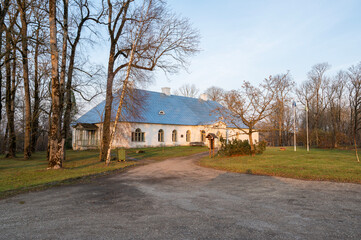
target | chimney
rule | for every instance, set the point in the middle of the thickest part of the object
(203, 97)
(166, 90)
(131, 84)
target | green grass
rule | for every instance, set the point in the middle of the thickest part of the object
(160, 153)
(318, 164)
(19, 175)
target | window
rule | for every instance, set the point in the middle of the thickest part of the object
(219, 134)
(188, 136)
(138, 136)
(80, 135)
(237, 135)
(203, 136)
(161, 112)
(174, 136)
(161, 135)
(92, 138)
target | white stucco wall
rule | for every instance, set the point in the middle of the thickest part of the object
(124, 130)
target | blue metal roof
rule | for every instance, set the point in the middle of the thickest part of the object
(178, 110)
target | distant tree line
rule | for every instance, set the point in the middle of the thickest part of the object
(332, 102)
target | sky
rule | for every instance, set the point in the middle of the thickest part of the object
(251, 40)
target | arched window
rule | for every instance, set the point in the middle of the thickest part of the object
(174, 136)
(138, 136)
(203, 136)
(188, 136)
(161, 135)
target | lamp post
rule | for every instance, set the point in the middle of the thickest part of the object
(308, 145)
(294, 126)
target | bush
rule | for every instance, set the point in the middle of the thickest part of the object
(260, 147)
(239, 147)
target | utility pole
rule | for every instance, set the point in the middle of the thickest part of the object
(308, 145)
(294, 126)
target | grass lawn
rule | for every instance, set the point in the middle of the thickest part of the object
(19, 175)
(160, 153)
(318, 164)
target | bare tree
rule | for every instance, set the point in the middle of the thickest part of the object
(82, 16)
(354, 73)
(135, 46)
(24, 9)
(10, 71)
(248, 106)
(165, 42)
(63, 63)
(335, 97)
(40, 69)
(188, 90)
(317, 82)
(4, 7)
(215, 93)
(282, 86)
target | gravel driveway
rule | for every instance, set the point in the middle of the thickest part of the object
(176, 199)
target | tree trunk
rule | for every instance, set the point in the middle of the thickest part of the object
(108, 107)
(55, 142)
(253, 152)
(63, 55)
(68, 91)
(36, 108)
(280, 133)
(1, 76)
(24, 53)
(280, 123)
(63, 73)
(354, 139)
(10, 96)
(3, 12)
(124, 88)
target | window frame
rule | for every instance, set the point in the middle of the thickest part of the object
(203, 136)
(138, 135)
(174, 136)
(161, 135)
(188, 136)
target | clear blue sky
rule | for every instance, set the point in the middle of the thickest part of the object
(250, 40)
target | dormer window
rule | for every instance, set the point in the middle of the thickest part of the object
(161, 112)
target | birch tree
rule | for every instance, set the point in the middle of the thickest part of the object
(166, 41)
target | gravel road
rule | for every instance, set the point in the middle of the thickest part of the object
(176, 199)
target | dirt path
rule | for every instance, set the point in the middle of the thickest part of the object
(176, 199)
